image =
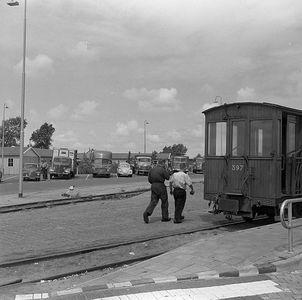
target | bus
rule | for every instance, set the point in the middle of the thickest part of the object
(101, 163)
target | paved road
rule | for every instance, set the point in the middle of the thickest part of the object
(10, 184)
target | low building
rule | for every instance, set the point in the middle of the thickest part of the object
(11, 158)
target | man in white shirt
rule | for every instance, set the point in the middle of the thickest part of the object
(178, 184)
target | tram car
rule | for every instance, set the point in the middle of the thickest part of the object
(253, 158)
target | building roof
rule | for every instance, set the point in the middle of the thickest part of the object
(15, 151)
(122, 156)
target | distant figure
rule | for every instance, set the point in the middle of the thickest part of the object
(178, 184)
(67, 194)
(44, 168)
(157, 177)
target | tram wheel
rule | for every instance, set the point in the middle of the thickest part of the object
(297, 210)
(248, 219)
(271, 216)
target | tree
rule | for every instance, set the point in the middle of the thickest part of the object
(178, 149)
(153, 155)
(42, 138)
(12, 131)
(85, 166)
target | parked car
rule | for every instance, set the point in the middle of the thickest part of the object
(124, 169)
(31, 171)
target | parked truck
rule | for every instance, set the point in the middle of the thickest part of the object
(178, 161)
(142, 164)
(101, 163)
(64, 163)
(198, 165)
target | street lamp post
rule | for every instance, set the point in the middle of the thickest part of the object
(16, 3)
(145, 123)
(3, 132)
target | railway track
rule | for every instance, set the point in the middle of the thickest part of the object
(73, 255)
(71, 200)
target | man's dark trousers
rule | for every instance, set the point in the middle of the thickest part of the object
(159, 191)
(180, 197)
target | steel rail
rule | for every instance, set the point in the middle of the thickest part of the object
(121, 243)
(71, 200)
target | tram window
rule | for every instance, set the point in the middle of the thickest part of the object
(238, 138)
(261, 138)
(217, 138)
(291, 137)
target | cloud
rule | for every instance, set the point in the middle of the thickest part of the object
(247, 94)
(57, 112)
(84, 50)
(84, 109)
(174, 135)
(36, 67)
(64, 138)
(198, 132)
(125, 129)
(153, 138)
(161, 100)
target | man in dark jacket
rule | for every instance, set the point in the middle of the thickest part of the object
(157, 177)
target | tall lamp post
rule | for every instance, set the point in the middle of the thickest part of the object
(16, 3)
(3, 132)
(145, 123)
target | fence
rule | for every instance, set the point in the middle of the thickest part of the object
(289, 224)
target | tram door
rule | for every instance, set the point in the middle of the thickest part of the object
(288, 150)
(237, 158)
(252, 166)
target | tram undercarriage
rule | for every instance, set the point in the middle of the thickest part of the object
(240, 205)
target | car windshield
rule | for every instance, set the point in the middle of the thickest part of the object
(30, 166)
(63, 160)
(124, 165)
(145, 159)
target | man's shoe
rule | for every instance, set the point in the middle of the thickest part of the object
(146, 217)
(177, 221)
(182, 217)
(166, 219)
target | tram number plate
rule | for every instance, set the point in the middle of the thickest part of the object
(237, 167)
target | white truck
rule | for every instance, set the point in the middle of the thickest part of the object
(64, 163)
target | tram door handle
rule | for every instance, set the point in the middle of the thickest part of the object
(282, 162)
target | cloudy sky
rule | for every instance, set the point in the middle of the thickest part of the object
(97, 69)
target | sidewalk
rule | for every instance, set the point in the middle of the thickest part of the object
(250, 252)
(245, 253)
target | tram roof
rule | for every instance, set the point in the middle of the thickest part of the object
(272, 105)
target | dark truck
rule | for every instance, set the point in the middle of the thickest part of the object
(179, 161)
(64, 163)
(142, 164)
(198, 165)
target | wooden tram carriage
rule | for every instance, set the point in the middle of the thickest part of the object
(253, 158)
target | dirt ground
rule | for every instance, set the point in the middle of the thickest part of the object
(40, 272)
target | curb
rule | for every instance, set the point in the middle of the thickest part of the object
(253, 270)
